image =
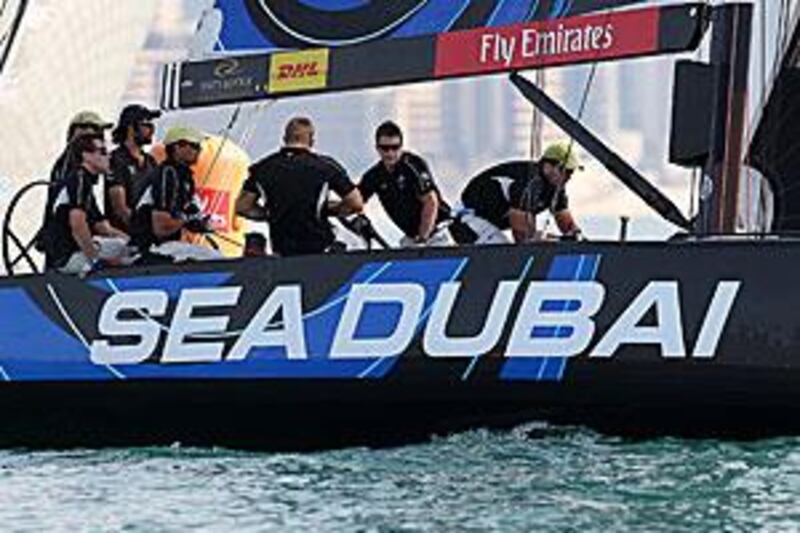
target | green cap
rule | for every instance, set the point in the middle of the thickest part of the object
(184, 133)
(564, 154)
(89, 118)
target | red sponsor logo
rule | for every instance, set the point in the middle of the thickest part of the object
(540, 44)
(216, 203)
(299, 71)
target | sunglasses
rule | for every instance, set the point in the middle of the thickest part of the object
(147, 124)
(389, 147)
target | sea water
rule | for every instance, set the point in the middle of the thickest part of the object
(535, 478)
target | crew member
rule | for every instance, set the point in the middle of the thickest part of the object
(510, 195)
(84, 123)
(130, 164)
(289, 189)
(405, 187)
(81, 239)
(168, 204)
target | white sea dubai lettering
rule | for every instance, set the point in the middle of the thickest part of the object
(130, 335)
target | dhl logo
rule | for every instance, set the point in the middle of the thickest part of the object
(299, 71)
(302, 70)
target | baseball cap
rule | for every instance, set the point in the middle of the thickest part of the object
(134, 113)
(184, 133)
(564, 154)
(89, 118)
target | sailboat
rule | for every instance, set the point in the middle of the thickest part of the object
(696, 336)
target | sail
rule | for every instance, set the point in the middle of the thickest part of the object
(263, 25)
(58, 61)
(584, 38)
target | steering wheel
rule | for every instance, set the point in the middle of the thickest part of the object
(10, 237)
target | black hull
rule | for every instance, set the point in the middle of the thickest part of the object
(744, 385)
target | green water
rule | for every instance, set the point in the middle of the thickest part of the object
(555, 480)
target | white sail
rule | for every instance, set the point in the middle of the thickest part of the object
(64, 58)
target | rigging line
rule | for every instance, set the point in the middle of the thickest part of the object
(226, 133)
(68, 319)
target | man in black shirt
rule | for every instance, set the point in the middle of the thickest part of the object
(289, 189)
(168, 205)
(405, 187)
(130, 164)
(510, 195)
(80, 239)
(84, 123)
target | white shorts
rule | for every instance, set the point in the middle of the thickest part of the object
(181, 251)
(110, 248)
(487, 233)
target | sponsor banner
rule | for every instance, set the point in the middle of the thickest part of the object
(250, 25)
(228, 80)
(298, 71)
(568, 41)
(217, 204)
(511, 314)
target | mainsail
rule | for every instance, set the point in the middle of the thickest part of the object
(250, 25)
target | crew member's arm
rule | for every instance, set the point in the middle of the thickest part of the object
(247, 204)
(523, 225)
(164, 224)
(166, 218)
(563, 217)
(351, 200)
(81, 232)
(119, 204)
(522, 219)
(566, 223)
(350, 204)
(427, 194)
(107, 230)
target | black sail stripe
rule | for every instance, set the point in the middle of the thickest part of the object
(476, 15)
(290, 23)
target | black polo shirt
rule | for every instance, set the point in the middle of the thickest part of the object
(516, 184)
(170, 188)
(75, 190)
(129, 173)
(400, 190)
(294, 184)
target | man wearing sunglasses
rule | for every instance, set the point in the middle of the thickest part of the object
(168, 205)
(80, 239)
(510, 195)
(405, 187)
(83, 123)
(130, 163)
(289, 189)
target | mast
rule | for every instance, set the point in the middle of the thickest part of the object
(730, 60)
